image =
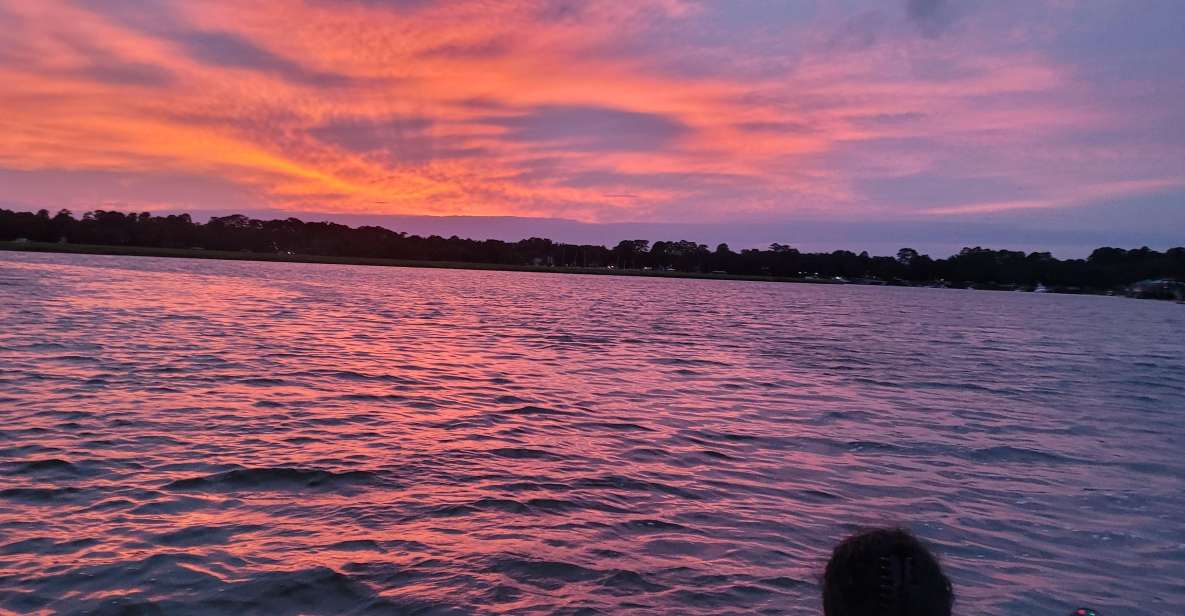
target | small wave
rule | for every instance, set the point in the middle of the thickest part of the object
(208, 360)
(507, 505)
(171, 506)
(625, 582)
(711, 453)
(852, 416)
(109, 504)
(813, 495)
(51, 465)
(347, 375)
(553, 505)
(647, 454)
(39, 495)
(261, 381)
(44, 346)
(271, 478)
(502, 593)
(733, 595)
(199, 535)
(961, 386)
(687, 361)
(651, 526)
(1007, 453)
(523, 453)
(730, 437)
(874, 446)
(484, 420)
(353, 376)
(372, 397)
(315, 590)
(614, 425)
(553, 575)
(544, 574)
(618, 482)
(535, 410)
(356, 545)
(528, 486)
(784, 582)
(160, 389)
(182, 317)
(74, 359)
(47, 546)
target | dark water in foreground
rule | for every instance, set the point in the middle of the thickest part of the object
(204, 437)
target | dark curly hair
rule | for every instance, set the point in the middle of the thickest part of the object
(885, 572)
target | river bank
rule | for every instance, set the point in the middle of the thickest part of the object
(199, 253)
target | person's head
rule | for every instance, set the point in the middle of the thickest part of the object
(885, 572)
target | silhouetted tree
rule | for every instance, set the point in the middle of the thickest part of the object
(1105, 268)
(629, 253)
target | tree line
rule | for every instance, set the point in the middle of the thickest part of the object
(1105, 268)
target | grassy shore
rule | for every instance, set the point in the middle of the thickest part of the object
(197, 253)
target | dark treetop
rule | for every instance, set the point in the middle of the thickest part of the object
(1107, 269)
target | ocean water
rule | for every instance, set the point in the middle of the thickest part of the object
(207, 437)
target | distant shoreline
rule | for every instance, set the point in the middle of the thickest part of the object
(230, 255)
(1140, 272)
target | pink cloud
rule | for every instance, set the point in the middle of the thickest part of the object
(583, 110)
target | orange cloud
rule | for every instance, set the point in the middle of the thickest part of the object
(542, 108)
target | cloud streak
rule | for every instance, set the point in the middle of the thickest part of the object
(589, 129)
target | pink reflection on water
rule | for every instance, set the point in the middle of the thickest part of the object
(200, 432)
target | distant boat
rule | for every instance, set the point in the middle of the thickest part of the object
(1163, 288)
(1040, 288)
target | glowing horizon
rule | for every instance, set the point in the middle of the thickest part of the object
(666, 111)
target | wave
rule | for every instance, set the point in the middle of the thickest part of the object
(1008, 453)
(199, 535)
(271, 478)
(651, 526)
(552, 575)
(46, 545)
(620, 482)
(533, 506)
(49, 465)
(311, 590)
(523, 453)
(40, 495)
(535, 411)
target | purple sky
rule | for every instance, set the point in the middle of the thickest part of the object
(1038, 124)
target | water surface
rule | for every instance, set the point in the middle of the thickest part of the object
(207, 437)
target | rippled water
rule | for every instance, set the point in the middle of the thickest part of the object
(207, 437)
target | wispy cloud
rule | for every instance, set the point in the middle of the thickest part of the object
(1076, 196)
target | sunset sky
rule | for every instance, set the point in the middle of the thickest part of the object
(1039, 124)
